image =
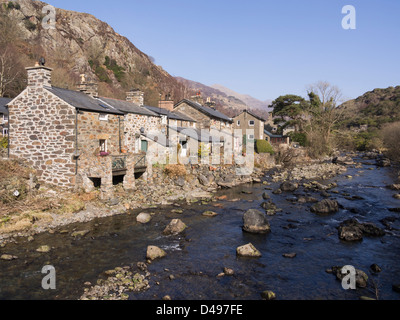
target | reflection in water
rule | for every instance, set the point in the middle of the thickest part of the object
(196, 257)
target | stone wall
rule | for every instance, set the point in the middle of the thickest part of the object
(132, 125)
(42, 131)
(91, 130)
(244, 119)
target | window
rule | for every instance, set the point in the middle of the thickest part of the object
(251, 136)
(252, 123)
(5, 117)
(103, 117)
(103, 145)
(238, 123)
(5, 132)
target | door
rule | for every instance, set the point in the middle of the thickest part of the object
(144, 146)
(184, 148)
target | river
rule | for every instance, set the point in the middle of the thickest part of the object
(197, 256)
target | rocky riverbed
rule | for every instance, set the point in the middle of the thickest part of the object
(297, 245)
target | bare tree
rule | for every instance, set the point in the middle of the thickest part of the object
(324, 114)
(11, 72)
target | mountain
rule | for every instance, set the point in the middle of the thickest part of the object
(375, 108)
(82, 44)
(248, 100)
(226, 100)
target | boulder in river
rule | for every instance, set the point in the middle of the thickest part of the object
(288, 186)
(383, 162)
(326, 206)
(255, 222)
(345, 160)
(361, 276)
(268, 295)
(175, 227)
(154, 252)
(8, 257)
(353, 230)
(248, 250)
(143, 218)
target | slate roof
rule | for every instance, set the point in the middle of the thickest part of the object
(252, 114)
(271, 135)
(3, 103)
(176, 115)
(129, 107)
(199, 135)
(82, 101)
(206, 110)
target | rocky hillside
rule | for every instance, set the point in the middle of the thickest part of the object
(83, 44)
(375, 108)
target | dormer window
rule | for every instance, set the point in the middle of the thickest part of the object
(103, 117)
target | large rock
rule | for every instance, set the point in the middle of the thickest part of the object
(175, 227)
(288, 186)
(143, 218)
(326, 206)
(203, 180)
(343, 160)
(350, 233)
(248, 250)
(353, 230)
(383, 162)
(154, 252)
(255, 222)
(361, 276)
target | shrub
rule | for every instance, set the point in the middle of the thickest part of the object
(300, 138)
(4, 143)
(30, 25)
(175, 170)
(263, 146)
(391, 139)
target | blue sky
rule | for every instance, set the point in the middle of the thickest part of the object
(260, 47)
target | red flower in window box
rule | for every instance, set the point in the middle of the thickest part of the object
(104, 154)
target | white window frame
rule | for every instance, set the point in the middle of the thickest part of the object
(5, 117)
(238, 123)
(5, 132)
(105, 145)
(251, 137)
(103, 117)
(252, 125)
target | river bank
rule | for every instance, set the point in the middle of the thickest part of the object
(37, 209)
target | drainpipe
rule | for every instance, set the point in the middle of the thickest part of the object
(76, 142)
(119, 134)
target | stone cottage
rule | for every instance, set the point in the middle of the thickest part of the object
(218, 125)
(247, 120)
(72, 138)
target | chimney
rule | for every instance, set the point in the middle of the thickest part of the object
(90, 88)
(135, 96)
(39, 76)
(198, 98)
(167, 103)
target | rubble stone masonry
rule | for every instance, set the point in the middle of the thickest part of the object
(42, 131)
